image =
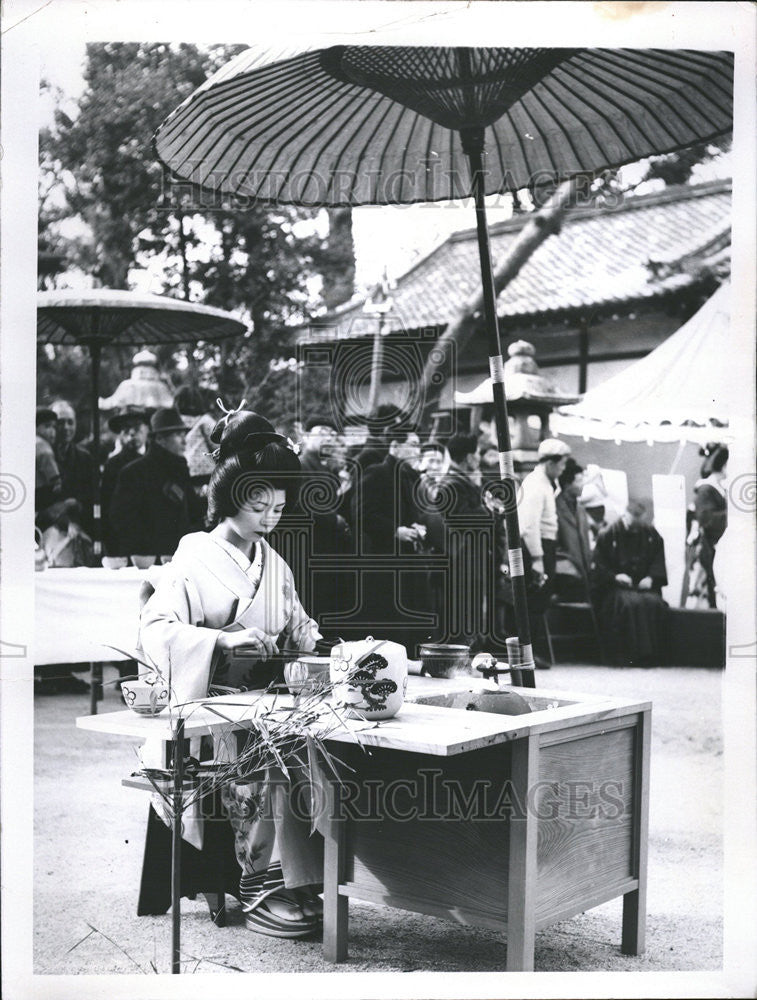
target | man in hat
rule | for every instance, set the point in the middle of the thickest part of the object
(74, 461)
(537, 512)
(537, 509)
(131, 425)
(47, 481)
(154, 504)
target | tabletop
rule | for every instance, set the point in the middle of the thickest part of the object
(418, 728)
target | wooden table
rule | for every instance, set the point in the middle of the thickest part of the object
(534, 818)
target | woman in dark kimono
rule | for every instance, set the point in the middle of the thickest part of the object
(224, 604)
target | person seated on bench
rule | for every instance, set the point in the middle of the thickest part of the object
(227, 591)
(627, 575)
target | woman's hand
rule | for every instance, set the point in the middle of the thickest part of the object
(251, 640)
(406, 534)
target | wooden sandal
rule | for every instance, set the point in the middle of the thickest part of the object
(259, 916)
(262, 921)
(310, 902)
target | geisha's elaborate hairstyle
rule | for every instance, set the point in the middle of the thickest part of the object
(715, 457)
(250, 455)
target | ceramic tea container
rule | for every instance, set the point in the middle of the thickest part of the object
(369, 677)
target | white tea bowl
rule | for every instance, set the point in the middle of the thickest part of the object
(146, 697)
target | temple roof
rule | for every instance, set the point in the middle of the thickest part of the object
(646, 246)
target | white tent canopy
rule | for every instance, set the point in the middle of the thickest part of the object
(681, 390)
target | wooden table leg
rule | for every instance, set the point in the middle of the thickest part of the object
(521, 887)
(633, 939)
(335, 906)
(95, 686)
(178, 782)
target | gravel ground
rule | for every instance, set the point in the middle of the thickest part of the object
(89, 837)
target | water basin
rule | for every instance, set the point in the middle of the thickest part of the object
(502, 702)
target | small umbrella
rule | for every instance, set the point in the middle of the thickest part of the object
(99, 317)
(386, 124)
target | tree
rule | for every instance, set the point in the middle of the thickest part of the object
(677, 168)
(102, 156)
(337, 259)
(98, 165)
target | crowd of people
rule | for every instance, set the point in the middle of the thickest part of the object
(63, 488)
(386, 529)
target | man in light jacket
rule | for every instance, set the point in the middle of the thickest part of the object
(537, 510)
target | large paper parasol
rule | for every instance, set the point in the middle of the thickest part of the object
(99, 317)
(384, 124)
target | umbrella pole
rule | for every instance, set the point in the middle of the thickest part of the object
(95, 350)
(473, 144)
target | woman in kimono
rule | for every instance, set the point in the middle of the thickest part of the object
(223, 605)
(709, 518)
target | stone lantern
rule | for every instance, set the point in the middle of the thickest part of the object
(144, 388)
(531, 397)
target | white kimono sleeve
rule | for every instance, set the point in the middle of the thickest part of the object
(174, 639)
(301, 630)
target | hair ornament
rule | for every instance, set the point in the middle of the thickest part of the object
(228, 414)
